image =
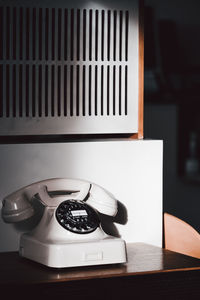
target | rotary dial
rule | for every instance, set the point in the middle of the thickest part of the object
(77, 216)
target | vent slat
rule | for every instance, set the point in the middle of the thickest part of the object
(77, 89)
(120, 90)
(102, 33)
(72, 35)
(59, 33)
(40, 88)
(53, 34)
(56, 91)
(46, 91)
(84, 33)
(14, 92)
(96, 34)
(108, 34)
(16, 51)
(90, 90)
(14, 33)
(108, 90)
(65, 33)
(7, 33)
(52, 90)
(59, 91)
(114, 34)
(27, 33)
(126, 90)
(102, 90)
(40, 34)
(27, 87)
(114, 90)
(71, 90)
(30, 34)
(34, 34)
(56, 37)
(8, 104)
(37, 90)
(33, 91)
(126, 35)
(120, 34)
(62, 32)
(36, 102)
(20, 90)
(90, 34)
(47, 34)
(23, 113)
(96, 91)
(62, 90)
(65, 90)
(21, 32)
(3, 87)
(78, 35)
(83, 90)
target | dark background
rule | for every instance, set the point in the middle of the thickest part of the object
(171, 99)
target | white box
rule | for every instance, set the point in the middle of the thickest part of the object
(131, 170)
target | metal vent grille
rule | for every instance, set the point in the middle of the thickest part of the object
(67, 69)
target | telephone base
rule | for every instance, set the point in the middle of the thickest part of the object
(110, 250)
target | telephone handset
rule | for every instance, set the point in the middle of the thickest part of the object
(17, 206)
(69, 232)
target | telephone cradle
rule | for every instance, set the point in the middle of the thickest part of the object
(69, 233)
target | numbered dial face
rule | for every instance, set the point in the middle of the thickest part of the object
(77, 216)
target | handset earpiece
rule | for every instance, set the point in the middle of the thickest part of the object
(102, 201)
(16, 208)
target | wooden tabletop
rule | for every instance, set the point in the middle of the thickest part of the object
(142, 259)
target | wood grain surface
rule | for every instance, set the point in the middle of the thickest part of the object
(142, 259)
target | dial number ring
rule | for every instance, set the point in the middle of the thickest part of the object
(77, 216)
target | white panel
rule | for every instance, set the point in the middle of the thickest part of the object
(130, 170)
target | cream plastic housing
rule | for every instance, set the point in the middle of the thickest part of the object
(52, 245)
(50, 231)
(109, 250)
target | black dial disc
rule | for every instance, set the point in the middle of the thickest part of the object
(77, 216)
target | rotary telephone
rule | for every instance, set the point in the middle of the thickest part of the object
(69, 233)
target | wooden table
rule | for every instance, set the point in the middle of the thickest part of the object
(150, 272)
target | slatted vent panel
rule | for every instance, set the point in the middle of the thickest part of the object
(63, 34)
(61, 62)
(55, 90)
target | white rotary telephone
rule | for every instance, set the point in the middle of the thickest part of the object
(69, 233)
